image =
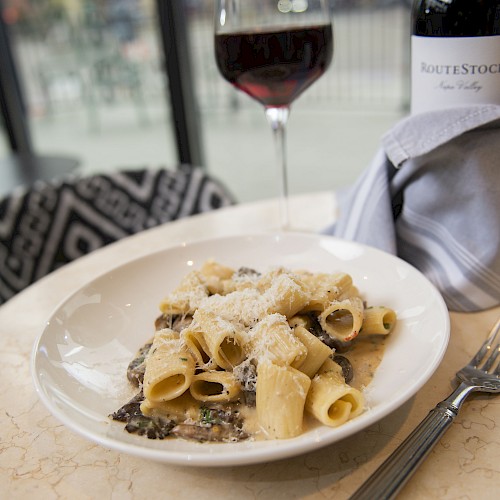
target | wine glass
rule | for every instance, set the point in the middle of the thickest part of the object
(273, 50)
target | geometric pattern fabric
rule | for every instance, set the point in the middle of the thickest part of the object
(50, 224)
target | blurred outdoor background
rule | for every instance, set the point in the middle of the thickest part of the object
(95, 88)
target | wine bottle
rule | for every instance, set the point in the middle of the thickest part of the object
(455, 53)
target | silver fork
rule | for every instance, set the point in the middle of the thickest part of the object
(481, 374)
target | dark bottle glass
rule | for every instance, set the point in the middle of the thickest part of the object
(461, 18)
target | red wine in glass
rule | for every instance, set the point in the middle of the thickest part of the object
(276, 66)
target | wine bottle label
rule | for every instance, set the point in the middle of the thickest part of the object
(454, 71)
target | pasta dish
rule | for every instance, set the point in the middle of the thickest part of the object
(239, 354)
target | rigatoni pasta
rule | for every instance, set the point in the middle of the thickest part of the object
(378, 320)
(325, 288)
(331, 400)
(343, 319)
(214, 386)
(271, 339)
(281, 396)
(219, 340)
(250, 355)
(169, 368)
(317, 351)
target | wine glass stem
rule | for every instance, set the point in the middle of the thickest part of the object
(277, 118)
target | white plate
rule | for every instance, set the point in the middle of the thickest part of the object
(79, 362)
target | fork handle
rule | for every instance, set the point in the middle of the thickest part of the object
(390, 477)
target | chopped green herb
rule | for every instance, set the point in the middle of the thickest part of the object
(206, 415)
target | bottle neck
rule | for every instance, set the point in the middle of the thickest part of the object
(456, 18)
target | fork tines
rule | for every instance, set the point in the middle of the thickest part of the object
(488, 353)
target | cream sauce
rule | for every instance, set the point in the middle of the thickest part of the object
(365, 356)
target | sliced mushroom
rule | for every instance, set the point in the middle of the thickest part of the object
(137, 367)
(345, 364)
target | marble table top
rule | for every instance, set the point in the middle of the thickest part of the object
(40, 458)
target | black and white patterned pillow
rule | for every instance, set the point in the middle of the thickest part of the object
(51, 224)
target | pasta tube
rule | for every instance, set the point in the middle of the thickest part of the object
(195, 341)
(342, 320)
(325, 288)
(222, 340)
(330, 399)
(280, 398)
(287, 295)
(317, 351)
(215, 386)
(244, 306)
(213, 268)
(266, 280)
(186, 298)
(272, 340)
(169, 367)
(378, 320)
(215, 275)
(180, 408)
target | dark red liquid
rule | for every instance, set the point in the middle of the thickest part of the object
(275, 67)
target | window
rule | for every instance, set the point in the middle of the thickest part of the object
(93, 81)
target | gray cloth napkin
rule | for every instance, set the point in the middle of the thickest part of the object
(432, 196)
